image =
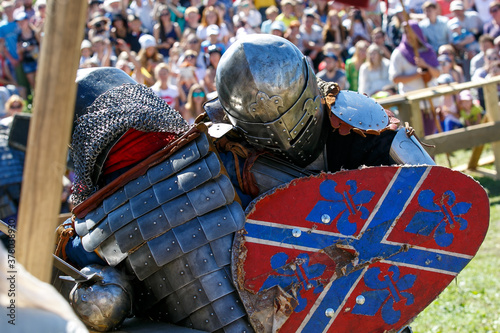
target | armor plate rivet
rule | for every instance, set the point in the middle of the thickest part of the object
(182, 272)
(160, 216)
(360, 300)
(168, 249)
(296, 232)
(427, 262)
(161, 286)
(329, 312)
(131, 236)
(199, 290)
(220, 284)
(173, 242)
(199, 168)
(145, 264)
(145, 202)
(154, 222)
(181, 210)
(187, 265)
(194, 236)
(138, 183)
(213, 191)
(325, 218)
(205, 260)
(121, 216)
(208, 198)
(183, 155)
(194, 297)
(232, 308)
(350, 119)
(206, 321)
(161, 169)
(218, 224)
(170, 189)
(163, 278)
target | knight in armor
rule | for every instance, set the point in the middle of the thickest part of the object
(161, 201)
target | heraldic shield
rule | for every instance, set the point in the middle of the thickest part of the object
(368, 248)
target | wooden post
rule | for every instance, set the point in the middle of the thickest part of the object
(49, 135)
(493, 113)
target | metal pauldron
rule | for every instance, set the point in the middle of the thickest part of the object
(408, 150)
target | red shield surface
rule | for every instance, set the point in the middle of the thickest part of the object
(361, 250)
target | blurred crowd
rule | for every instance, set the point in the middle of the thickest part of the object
(174, 46)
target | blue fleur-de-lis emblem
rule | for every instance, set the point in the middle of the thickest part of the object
(389, 294)
(297, 272)
(441, 216)
(344, 207)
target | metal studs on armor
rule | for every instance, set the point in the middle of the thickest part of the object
(329, 312)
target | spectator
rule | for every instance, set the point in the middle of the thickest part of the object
(85, 51)
(214, 54)
(177, 13)
(312, 38)
(263, 5)
(300, 8)
(28, 48)
(26, 7)
(15, 104)
(148, 57)
(358, 27)
(332, 72)
(187, 75)
(38, 21)
(463, 40)
(209, 17)
(192, 17)
(447, 110)
(163, 89)
(395, 29)
(194, 105)
(449, 50)
(406, 70)
(486, 42)
(491, 56)
(101, 48)
(165, 31)
(99, 25)
(353, 64)
(271, 13)
(374, 73)
(378, 37)
(9, 31)
(193, 43)
(434, 26)
(287, 14)
(482, 8)
(278, 28)
(8, 85)
(293, 33)
(469, 20)
(246, 13)
(119, 30)
(470, 112)
(447, 68)
(143, 9)
(213, 39)
(333, 30)
(320, 8)
(135, 32)
(492, 27)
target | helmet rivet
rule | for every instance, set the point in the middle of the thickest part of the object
(360, 300)
(296, 232)
(329, 312)
(325, 218)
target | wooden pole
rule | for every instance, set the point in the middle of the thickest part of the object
(49, 135)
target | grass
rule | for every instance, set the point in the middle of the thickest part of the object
(471, 303)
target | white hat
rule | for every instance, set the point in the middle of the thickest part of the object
(108, 5)
(278, 25)
(147, 41)
(86, 44)
(456, 5)
(213, 29)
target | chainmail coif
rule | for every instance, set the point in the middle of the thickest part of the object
(110, 116)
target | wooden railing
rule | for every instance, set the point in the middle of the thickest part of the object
(470, 137)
